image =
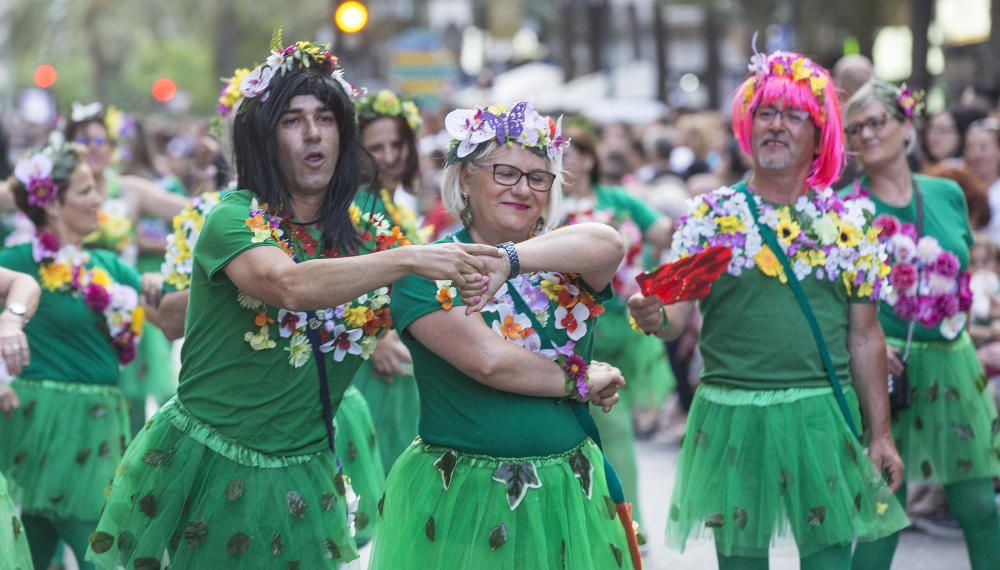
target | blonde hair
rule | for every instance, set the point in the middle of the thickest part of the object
(451, 184)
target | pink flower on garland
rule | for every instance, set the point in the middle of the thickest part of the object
(907, 307)
(910, 231)
(96, 297)
(946, 264)
(964, 292)
(887, 225)
(576, 369)
(903, 277)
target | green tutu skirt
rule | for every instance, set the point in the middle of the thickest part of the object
(395, 408)
(14, 552)
(191, 497)
(60, 449)
(447, 509)
(757, 465)
(357, 449)
(951, 432)
(152, 372)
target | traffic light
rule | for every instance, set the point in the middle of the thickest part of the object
(350, 17)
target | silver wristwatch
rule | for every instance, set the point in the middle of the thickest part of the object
(18, 310)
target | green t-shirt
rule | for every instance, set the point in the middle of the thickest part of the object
(754, 333)
(247, 369)
(946, 218)
(459, 412)
(69, 342)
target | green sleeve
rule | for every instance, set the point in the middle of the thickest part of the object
(225, 234)
(639, 211)
(414, 297)
(961, 206)
(17, 259)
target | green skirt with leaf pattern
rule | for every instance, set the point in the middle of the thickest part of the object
(757, 465)
(358, 451)
(59, 450)
(14, 552)
(448, 509)
(189, 496)
(951, 432)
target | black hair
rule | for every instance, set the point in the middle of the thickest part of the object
(255, 148)
(74, 127)
(411, 170)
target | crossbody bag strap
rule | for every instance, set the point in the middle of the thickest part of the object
(580, 409)
(800, 296)
(324, 387)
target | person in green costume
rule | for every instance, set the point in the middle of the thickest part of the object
(389, 126)
(288, 293)
(950, 433)
(128, 199)
(60, 449)
(503, 474)
(771, 448)
(20, 293)
(354, 431)
(642, 359)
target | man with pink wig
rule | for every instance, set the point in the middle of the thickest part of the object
(794, 355)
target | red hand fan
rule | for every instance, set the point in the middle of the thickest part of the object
(688, 278)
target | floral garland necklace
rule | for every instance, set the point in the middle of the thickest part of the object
(928, 285)
(348, 329)
(178, 262)
(63, 269)
(403, 217)
(537, 290)
(823, 236)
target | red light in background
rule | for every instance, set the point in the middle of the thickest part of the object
(164, 89)
(45, 76)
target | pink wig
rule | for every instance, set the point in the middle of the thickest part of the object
(798, 83)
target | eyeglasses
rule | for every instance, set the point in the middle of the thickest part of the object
(874, 123)
(538, 180)
(792, 117)
(86, 141)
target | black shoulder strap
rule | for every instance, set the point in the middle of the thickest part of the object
(312, 332)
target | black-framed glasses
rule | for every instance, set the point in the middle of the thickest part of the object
(873, 123)
(791, 117)
(538, 180)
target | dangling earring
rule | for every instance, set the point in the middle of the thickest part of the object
(537, 229)
(466, 213)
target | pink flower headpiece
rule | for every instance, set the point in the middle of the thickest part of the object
(520, 124)
(35, 172)
(911, 103)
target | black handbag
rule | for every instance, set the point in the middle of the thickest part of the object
(900, 395)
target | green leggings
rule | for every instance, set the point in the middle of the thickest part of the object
(973, 503)
(44, 535)
(837, 557)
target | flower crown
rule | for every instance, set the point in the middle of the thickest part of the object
(39, 171)
(385, 103)
(247, 84)
(520, 124)
(120, 125)
(911, 103)
(781, 64)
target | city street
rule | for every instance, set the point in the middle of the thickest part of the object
(657, 461)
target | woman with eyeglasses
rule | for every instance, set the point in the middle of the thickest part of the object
(642, 359)
(982, 157)
(948, 431)
(504, 473)
(128, 199)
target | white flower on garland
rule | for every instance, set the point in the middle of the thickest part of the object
(298, 350)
